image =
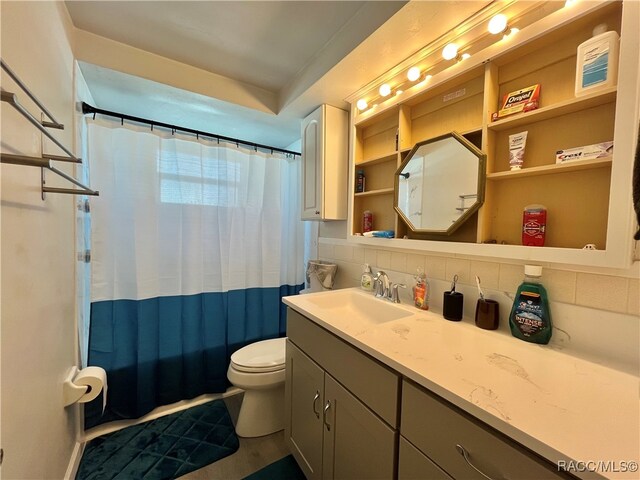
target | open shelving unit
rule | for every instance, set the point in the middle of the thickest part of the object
(576, 194)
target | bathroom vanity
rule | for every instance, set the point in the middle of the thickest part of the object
(379, 390)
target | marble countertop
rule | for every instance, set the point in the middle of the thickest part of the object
(564, 408)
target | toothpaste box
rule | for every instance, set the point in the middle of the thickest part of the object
(589, 152)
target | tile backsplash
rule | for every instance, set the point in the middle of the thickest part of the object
(596, 315)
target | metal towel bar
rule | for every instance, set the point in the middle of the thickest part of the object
(12, 100)
(46, 163)
(45, 160)
(53, 123)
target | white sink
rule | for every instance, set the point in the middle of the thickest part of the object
(358, 307)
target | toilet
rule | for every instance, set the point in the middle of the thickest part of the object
(259, 369)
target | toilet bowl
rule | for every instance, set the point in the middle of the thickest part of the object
(259, 369)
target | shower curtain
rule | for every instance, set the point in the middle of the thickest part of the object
(194, 243)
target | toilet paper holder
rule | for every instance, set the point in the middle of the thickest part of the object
(71, 392)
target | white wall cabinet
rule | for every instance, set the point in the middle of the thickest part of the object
(324, 164)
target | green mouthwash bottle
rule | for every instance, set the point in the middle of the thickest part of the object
(530, 318)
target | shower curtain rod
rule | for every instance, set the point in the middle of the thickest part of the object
(89, 109)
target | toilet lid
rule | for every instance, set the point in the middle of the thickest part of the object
(264, 356)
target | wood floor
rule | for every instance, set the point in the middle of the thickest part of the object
(253, 454)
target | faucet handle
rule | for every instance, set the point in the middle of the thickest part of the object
(395, 296)
(381, 284)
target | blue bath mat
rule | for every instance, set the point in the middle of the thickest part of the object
(284, 469)
(162, 449)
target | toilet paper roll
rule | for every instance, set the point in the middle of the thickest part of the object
(96, 379)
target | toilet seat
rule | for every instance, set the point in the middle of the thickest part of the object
(260, 357)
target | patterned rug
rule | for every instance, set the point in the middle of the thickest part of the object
(284, 469)
(162, 449)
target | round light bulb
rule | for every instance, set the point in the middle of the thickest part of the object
(465, 56)
(450, 51)
(385, 89)
(362, 104)
(413, 74)
(498, 24)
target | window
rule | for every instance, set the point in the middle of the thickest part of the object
(198, 180)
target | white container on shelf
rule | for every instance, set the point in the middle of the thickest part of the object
(597, 61)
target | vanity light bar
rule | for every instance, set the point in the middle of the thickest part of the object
(498, 24)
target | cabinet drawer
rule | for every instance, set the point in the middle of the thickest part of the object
(374, 384)
(414, 465)
(437, 428)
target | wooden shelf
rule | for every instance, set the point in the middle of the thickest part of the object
(370, 193)
(471, 131)
(552, 169)
(378, 159)
(545, 113)
(582, 197)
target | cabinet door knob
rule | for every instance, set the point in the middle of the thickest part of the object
(462, 451)
(324, 415)
(317, 212)
(315, 399)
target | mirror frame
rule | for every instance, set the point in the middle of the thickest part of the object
(482, 163)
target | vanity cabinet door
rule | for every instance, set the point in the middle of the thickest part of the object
(463, 446)
(357, 443)
(304, 400)
(414, 465)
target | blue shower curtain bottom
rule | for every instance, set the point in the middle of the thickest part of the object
(162, 350)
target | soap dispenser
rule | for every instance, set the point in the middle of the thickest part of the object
(366, 282)
(421, 291)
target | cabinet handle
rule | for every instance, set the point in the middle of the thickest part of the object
(462, 451)
(315, 399)
(317, 212)
(324, 415)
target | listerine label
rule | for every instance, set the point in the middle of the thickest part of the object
(528, 315)
(596, 64)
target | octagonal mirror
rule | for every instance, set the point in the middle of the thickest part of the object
(440, 184)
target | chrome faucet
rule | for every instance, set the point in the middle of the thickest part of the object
(381, 284)
(383, 288)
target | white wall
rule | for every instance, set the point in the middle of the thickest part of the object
(38, 289)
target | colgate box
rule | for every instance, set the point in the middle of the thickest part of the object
(534, 225)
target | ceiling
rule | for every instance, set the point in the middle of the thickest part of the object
(304, 53)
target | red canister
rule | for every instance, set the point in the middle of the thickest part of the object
(534, 225)
(367, 221)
